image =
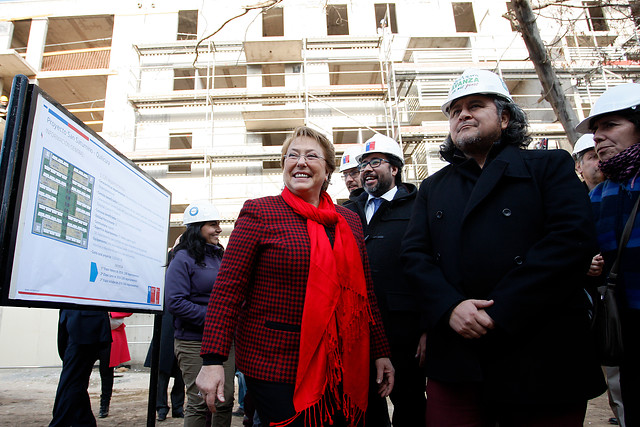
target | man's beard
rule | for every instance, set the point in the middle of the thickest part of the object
(383, 185)
(472, 145)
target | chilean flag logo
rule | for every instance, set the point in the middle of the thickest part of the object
(370, 146)
(345, 159)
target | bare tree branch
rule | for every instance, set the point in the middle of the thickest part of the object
(264, 6)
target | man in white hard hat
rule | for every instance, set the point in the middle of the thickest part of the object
(498, 244)
(349, 170)
(587, 160)
(384, 209)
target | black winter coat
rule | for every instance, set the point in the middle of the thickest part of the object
(383, 237)
(519, 232)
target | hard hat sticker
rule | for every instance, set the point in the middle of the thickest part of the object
(193, 211)
(465, 82)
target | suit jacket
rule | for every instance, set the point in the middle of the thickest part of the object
(261, 287)
(383, 238)
(518, 232)
(82, 327)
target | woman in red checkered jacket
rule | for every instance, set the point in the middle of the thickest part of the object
(295, 291)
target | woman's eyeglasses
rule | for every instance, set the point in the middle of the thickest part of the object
(374, 163)
(309, 158)
(353, 174)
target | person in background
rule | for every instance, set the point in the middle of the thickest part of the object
(82, 334)
(242, 391)
(498, 243)
(350, 172)
(167, 368)
(4, 103)
(190, 276)
(587, 160)
(295, 290)
(384, 209)
(615, 124)
(111, 357)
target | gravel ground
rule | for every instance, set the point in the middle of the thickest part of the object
(27, 394)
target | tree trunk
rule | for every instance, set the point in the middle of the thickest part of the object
(538, 54)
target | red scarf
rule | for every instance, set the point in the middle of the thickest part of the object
(333, 368)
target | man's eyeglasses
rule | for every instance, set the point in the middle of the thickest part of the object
(374, 163)
(309, 158)
(354, 174)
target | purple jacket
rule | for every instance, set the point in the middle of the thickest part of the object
(187, 290)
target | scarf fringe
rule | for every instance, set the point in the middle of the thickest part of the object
(323, 413)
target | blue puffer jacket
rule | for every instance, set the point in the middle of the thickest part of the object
(187, 290)
(612, 203)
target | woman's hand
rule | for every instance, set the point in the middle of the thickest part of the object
(210, 381)
(595, 269)
(385, 376)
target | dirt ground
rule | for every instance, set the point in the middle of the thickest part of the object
(26, 399)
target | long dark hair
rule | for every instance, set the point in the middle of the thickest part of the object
(193, 242)
(516, 132)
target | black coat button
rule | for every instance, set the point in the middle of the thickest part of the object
(506, 212)
(518, 260)
(439, 214)
(438, 257)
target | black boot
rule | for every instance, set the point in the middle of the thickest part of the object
(104, 406)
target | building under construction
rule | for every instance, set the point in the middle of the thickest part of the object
(202, 93)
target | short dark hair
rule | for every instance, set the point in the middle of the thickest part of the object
(516, 133)
(394, 161)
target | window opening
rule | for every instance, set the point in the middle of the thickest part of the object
(187, 24)
(184, 79)
(463, 16)
(386, 15)
(273, 22)
(337, 20)
(180, 141)
(273, 75)
(595, 16)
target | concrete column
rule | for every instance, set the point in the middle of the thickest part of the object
(37, 40)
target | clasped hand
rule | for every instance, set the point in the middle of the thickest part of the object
(470, 320)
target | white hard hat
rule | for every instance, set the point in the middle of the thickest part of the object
(348, 160)
(585, 142)
(200, 212)
(617, 98)
(473, 81)
(379, 143)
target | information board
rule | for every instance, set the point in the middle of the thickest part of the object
(89, 227)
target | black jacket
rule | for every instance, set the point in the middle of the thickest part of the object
(383, 237)
(518, 232)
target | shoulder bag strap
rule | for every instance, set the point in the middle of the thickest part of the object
(626, 233)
